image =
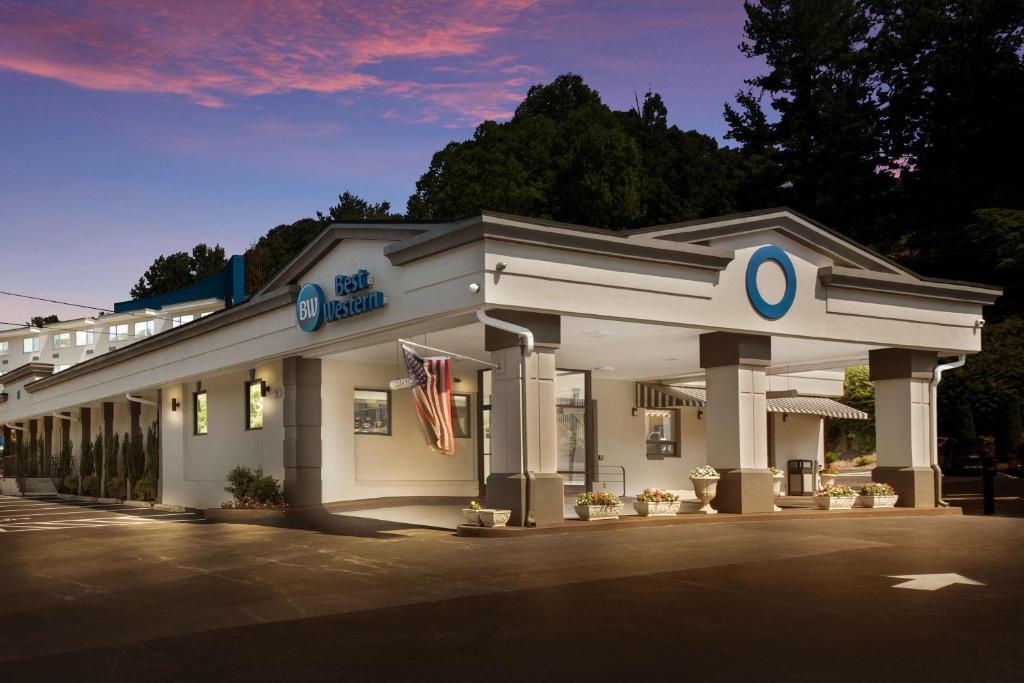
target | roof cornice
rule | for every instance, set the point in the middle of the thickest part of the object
(501, 227)
(26, 370)
(850, 278)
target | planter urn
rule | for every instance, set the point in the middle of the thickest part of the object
(646, 508)
(705, 488)
(777, 490)
(827, 479)
(470, 517)
(877, 501)
(490, 517)
(590, 512)
(834, 502)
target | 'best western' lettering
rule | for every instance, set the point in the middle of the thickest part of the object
(354, 305)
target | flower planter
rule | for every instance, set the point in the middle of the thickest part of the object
(877, 501)
(705, 488)
(646, 508)
(827, 479)
(834, 502)
(589, 512)
(470, 517)
(494, 517)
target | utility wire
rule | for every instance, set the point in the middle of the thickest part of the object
(68, 303)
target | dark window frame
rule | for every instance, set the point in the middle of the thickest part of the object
(195, 413)
(677, 424)
(248, 405)
(355, 430)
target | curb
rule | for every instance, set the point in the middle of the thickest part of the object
(579, 526)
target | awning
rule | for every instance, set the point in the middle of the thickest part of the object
(814, 405)
(665, 396)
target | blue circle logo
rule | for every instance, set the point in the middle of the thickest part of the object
(309, 307)
(781, 307)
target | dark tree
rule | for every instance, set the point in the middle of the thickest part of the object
(40, 320)
(181, 269)
(566, 156)
(353, 208)
(822, 153)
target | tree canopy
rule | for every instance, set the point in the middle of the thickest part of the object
(180, 269)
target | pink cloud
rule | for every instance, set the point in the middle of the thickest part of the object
(214, 53)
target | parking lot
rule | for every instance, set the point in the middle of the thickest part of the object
(52, 513)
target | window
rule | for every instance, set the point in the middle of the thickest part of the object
(179, 320)
(662, 429)
(62, 340)
(84, 338)
(199, 411)
(119, 332)
(372, 413)
(30, 345)
(254, 404)
(145, 329)
(3, 348)
(461, 416)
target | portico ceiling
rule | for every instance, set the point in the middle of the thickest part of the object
(625, 350)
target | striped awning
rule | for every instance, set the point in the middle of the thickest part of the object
(665, 396)
(814, 405)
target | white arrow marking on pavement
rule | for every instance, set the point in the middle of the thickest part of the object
(933, 582)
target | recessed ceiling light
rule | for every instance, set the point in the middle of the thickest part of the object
(597, 333)
(608, 368)
(671, 360)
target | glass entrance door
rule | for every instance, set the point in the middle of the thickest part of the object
(571, 401)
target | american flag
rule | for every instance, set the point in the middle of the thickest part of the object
(432, 395)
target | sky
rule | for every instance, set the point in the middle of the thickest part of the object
(133, 128)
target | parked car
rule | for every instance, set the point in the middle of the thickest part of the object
(966, 457)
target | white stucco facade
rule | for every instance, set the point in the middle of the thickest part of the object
(615, 308)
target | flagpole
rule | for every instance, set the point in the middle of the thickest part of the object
(448, 353)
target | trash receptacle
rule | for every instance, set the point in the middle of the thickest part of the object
(801, 477)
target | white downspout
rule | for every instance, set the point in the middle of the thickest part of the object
(526, 336)
(934, 400)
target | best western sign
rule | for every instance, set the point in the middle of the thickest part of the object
(313, 308)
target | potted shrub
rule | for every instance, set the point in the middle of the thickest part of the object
(835, 497)
(777, 476)
(877, 495)
(656, 503)
(471, 514)
(91, 486)
(255, 496)
(828, 474)
(705, 486)
(598, 505)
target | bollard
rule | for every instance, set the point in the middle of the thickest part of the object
(988, 476)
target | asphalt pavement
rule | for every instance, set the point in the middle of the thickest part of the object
(364, 599)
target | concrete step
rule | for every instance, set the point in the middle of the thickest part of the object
(38, 485)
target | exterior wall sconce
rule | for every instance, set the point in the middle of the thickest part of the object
(199, 386)
(174, 404)
(700, 414)
(264, 388)
(634, 411)
(785, 416)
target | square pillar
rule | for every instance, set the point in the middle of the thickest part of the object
(524, 455)
(303, 417)
(737, 419)
(903, 423)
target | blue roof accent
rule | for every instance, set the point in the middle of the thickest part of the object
(227, 284)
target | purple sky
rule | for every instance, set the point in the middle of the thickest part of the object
(127, 132)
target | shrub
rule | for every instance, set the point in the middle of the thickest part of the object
(829, 469)
(864, 461)
(703, 472)
(776, 471)
(145, 489)
(831, 457)
(117, 488)
(877, 488)
(597, 498)
(90, 485)
(837, 491)
(70, 484)
(473, 505)
(656, 496)
(251, 488)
